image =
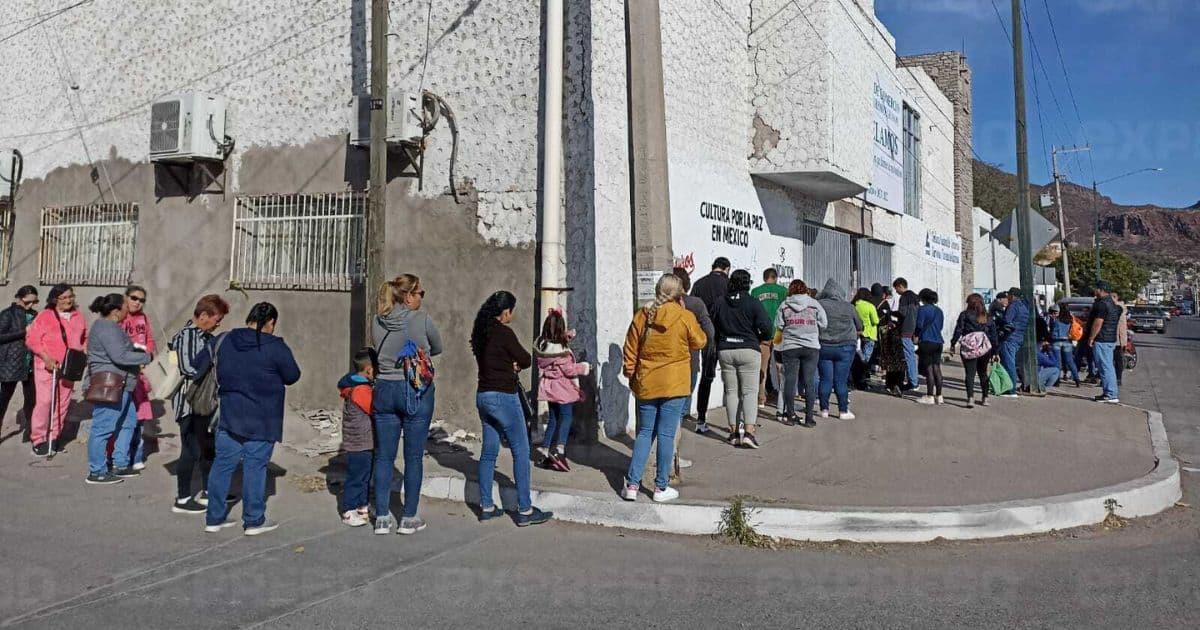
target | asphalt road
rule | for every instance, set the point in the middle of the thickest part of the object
(115, 557)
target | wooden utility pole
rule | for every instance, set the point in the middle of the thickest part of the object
(376, 219)
(1062, 211)
(1028, 358)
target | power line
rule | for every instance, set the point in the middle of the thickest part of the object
(1037, 54)
(1070, 90)
(45, 17)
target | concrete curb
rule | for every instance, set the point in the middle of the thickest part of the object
(1149, 494)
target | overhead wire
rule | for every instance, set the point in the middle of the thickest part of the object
(45, 17)
(1070, 89)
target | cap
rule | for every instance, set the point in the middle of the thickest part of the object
(1104, 286)
(1053, 308)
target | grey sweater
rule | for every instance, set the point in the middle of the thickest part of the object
(801, 319)
(844, 322)
(111, 350)
(391, 331)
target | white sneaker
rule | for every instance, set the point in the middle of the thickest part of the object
(824, 413)
(353, 519)
(941, 400)
(685, 463)
(266, 526)
(666, 494)
(629, 492)
(849, 415)
(139, 466)
(383, 524)
(927, 400)
(212, 529)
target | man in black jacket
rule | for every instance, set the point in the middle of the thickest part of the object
(710, 289)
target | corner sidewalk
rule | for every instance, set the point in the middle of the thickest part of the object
(900, 472)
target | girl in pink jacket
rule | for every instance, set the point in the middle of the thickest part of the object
(558, 385)
(45, 339)
(137, 326)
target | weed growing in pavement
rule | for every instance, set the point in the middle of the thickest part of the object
(736, 526)
(1112, 521)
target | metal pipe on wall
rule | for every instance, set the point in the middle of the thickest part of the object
(553, 227)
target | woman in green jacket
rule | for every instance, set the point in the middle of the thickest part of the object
(869, 314)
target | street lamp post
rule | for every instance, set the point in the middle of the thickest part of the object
(1096, 208)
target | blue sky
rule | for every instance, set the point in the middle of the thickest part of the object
(1134, 66)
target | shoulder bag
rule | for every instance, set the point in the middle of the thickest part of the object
(74, 362)
(204, 394)
(105, 387)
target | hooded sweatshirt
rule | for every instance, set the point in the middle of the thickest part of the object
(657, 355)
(253, 370)
(741, 322)
(558, 374)
(357, 432)
(390, 333)
(844, 323)
(800, 320)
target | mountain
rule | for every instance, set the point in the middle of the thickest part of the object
(1141, 231)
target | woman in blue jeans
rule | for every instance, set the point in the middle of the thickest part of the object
(111, 351)
(501, 358)
(839, 343)
(399, 319)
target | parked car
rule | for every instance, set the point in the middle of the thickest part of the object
(1080, 307)
(1147, 319)
(1176, 312)
(1164, 312)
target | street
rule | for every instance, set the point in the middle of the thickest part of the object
(77, 555)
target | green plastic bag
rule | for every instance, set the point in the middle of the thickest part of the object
(999, 380)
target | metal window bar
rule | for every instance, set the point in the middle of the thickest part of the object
(7, 225)
(311, 242)
(826, 257)
(88, 245)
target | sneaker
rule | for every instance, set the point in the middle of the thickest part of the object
(734, 439)
(970, 405)
(534, 517)
(1010, 395)
(127, 473)
(665, 494)
(562, 461)
(983, 402)
(353, 518)
(188, 505)
(748, 440)
(262, 528)
(410, 525)
(547, 463)
(810, 423)
(139, 466)
(846, 416)
(225, 524)
(487, 515)
(685, 463)
(941, 400)
(103, 479)
(41, 450)
(1112, 401)
(701, 428)
(630, 492)
(824, 413)
(202, 498)
(383, 524)
(927, 400)
(559, 463)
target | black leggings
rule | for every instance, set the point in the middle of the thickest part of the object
(708, 372)
(930, 355)
(27, 390)
(196, 447)
(979, 366)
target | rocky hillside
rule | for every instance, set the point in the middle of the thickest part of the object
(1170, 233)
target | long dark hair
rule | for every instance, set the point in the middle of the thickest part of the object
(976, 307)
(554, 330)
(260, 314)
(485, 319)
(56, 292)
(862, 294)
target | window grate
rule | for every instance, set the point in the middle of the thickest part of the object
(88, 245)
(912, 162)
(298, 242)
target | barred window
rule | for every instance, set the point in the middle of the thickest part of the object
(88, 245)
(912, 162)
(301, 242)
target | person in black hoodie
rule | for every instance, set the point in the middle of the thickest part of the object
(16, 361)
(971, 322)
(742, 325)
(711, 289)
(909, 303)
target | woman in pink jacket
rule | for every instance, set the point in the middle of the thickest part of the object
(58, 327)
(558, 385)
(137, 326)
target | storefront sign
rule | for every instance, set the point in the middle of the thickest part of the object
(943, 249)
(887, 175)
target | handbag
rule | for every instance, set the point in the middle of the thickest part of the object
(164, 374)
(204, 394)
(975, 344)
(74, 363)
(105, 387)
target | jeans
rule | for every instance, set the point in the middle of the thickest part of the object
(137, 443)
(1008, 355)
(799, 363)
(1066, 358)
(657, 419)
(1048, 376)
(835, 375)
(358, 479)
(390, 426)
(253, 455)
(501, 412)
(558, 425)
(910, 361)
(27, 390)
(109, 419)
(708, 372)
(739, 373)
(867, 351)
(195, 447)
(1102, 356)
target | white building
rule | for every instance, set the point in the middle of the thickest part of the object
(997, 267)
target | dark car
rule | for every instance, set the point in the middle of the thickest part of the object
(1147, 318)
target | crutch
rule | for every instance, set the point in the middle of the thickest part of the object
(53, 414)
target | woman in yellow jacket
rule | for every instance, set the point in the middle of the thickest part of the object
(657, 362)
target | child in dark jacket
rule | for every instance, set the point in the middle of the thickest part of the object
(358, 437)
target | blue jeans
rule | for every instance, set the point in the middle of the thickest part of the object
(138, 444)
(501, 412)
(868, 349)
(390, 426)
(109, 419)
(656, 419)
(910, 361)
(253, 455)
(1008, 355)
(1048, 376)
(834, 369)
(1066, 358)
(558, 427)
(1102, 356)
(358, 479)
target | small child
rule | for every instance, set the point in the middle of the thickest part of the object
(558, 385)
(358, 437)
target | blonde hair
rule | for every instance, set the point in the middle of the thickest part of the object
(393, 292)
(668, 289)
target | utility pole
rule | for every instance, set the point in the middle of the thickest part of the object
(376, 219)
(1062, 211)
(1029, 357)
(1096, 228)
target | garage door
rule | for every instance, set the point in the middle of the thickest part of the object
(826, 255)
(874, 262)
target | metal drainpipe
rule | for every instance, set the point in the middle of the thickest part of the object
(553, 227)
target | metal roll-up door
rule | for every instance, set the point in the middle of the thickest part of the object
(826, 255)
(874, 262)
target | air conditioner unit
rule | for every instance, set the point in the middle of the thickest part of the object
(11, 165)
(187, 127)
(403, 119)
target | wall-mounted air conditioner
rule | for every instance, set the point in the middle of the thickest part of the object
(11, 165)
(403, 119)
(187, 127)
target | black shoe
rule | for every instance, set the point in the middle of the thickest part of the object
(810, 423)
(487, 515)
(126, 473)
(188, 506)
(701, 428)
(749, 441)
(41, 450)
(535, 517)
(103, 479)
